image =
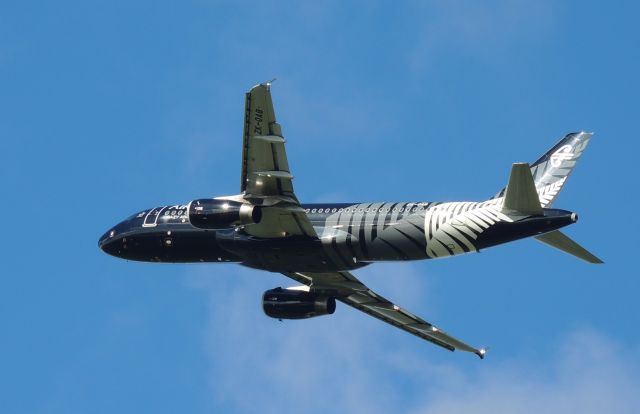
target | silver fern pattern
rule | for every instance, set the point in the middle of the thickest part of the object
(355, 234)
(452, 228)
(551, 171)
(548, 193)
(391, 231)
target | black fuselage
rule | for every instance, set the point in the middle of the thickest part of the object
(350, 235)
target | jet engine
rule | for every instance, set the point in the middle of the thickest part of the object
(294, 303)
(215, 214)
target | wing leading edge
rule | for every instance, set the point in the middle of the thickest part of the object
(351, 291)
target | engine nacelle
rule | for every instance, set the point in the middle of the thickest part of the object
(282, 303)
(215, 214)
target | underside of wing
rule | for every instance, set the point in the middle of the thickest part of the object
(351, 291)
(265, 177)
(265, 169)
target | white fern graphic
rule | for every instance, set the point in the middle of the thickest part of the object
(549, 192)
(451, 228)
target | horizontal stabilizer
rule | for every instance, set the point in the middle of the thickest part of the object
(560, 241)
(521, 195)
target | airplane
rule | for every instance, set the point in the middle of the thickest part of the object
(318, 245)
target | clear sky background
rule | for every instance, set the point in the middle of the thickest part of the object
(108, 108)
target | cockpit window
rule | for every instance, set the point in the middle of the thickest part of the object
(137, 215)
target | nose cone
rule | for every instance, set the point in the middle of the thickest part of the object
(106, 237)
(111, 242)
(108, 242)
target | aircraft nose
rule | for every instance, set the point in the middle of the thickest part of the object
(111, 241)
(107, 242)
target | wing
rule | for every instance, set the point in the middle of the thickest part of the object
(265, 178)
(348, 289)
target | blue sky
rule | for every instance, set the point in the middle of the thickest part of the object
(112, 107)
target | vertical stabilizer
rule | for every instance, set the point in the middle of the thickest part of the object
(550, 172)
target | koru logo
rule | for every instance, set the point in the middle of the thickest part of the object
(563, 153)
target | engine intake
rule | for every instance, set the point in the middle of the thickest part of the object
(222, 214)
(282, 303)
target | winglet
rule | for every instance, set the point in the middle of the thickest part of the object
(481, 352)
(521, 195)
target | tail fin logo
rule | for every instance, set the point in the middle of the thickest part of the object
(562, 154)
